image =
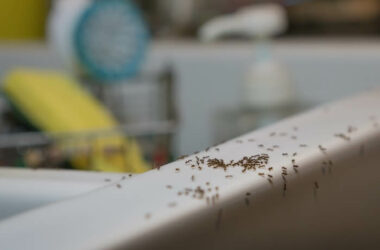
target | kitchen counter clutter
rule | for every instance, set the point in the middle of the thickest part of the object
(309, 181)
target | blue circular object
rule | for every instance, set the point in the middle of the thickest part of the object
(110, 39)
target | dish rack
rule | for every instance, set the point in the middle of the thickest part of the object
(144, 106)
(41, 150)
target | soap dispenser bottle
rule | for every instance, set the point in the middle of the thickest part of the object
(267, 91)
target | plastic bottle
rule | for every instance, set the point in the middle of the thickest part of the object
(268, 92)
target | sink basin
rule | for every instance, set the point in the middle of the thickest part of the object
(307, 182)
(25, 189)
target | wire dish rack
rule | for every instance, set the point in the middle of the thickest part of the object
(144, 106)
(41, 150)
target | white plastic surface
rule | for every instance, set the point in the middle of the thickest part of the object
(143, 205)
(60, 28)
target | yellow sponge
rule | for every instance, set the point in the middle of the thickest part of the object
(55, 103)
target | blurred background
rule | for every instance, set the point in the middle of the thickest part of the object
(124, 86)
